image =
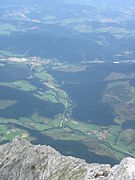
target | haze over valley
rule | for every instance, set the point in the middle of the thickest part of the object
(67, 76)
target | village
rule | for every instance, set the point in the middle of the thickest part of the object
(33, 61)
(101, 135)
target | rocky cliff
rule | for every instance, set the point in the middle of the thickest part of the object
(21, 160)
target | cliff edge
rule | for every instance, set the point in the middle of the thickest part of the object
(20, 160)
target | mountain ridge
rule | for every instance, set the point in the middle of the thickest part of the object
(20, 160)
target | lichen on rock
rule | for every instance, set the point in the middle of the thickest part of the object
(20, 160)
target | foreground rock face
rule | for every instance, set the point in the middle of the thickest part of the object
(21, 160)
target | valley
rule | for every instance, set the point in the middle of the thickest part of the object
(51, 108)
(67, 76)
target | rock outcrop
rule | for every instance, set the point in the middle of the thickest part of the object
(21, 160)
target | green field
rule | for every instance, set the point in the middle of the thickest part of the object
(9, 54)
(22, 85)
(6, 103)
(104, 140)
(6, 29)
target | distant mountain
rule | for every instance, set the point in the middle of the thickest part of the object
(72, 31)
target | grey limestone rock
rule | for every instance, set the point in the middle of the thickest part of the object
(20, 160)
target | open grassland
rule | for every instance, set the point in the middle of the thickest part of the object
(8, 132)
(121, 96)
(6, 29)
(110, 143)
(6, 103)
(22, 85)
(54, 93)
(104, 140)
(44, 76)
(9, 54)
(68, 68)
